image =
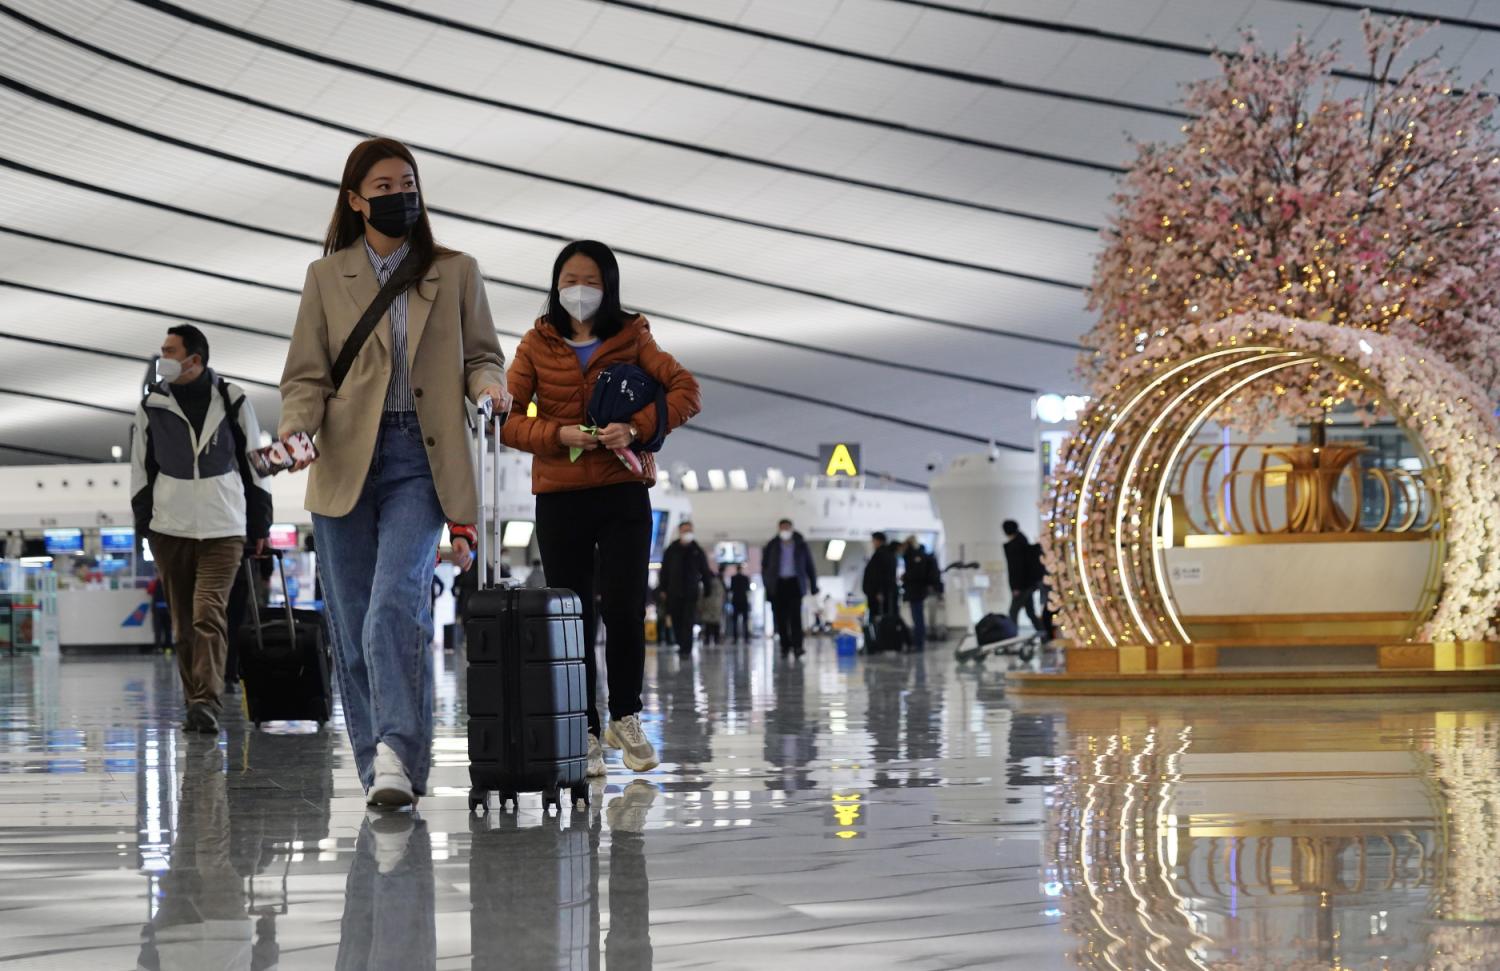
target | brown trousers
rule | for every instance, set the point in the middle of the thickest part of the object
(197, 575)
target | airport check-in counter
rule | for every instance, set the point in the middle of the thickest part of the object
(101, 571)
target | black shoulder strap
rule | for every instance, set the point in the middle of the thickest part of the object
(232, 412)
(398, 282)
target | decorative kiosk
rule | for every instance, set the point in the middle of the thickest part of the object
(1341, 575)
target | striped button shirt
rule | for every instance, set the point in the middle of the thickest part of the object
(398, 396)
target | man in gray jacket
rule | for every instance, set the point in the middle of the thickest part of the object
(197, 501)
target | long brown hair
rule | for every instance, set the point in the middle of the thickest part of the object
(347, 225)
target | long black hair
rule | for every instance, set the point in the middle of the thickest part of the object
(610, 317)
(348, 225)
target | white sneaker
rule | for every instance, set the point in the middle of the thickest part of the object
(596, 758)
(392, 832)
(392, 787)
(635, 749)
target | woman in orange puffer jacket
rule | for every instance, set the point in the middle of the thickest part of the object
(587, 498)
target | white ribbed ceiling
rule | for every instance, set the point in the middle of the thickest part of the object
(789, 182)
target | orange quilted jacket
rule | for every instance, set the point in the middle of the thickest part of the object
(545, 366)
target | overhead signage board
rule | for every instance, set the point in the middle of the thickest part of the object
(840, 458)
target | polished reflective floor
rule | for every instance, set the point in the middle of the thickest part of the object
(838, 813)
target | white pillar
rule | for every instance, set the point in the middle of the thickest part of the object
(973, 496)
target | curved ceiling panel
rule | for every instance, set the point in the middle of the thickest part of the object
(871, 220)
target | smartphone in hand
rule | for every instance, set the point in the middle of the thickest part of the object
(279, 456)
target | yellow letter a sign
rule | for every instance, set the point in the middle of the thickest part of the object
(841, 462)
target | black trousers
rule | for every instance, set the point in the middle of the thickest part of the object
(684, 611)
(612, 523)
(739, 623)
(663, 624)
(1026, 600)
(786, 608)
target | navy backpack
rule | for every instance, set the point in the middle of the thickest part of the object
(621, 391)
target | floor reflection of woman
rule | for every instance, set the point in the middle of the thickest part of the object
(389, 924)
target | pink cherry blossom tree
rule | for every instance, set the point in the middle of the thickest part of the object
(1379, 212)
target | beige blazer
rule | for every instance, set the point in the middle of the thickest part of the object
(452, 353)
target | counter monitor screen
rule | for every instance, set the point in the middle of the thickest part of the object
(116, 539)
(63, 540)
(283, 536)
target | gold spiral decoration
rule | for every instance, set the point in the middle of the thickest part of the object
(1113, 490)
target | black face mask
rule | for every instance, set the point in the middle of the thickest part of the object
(394, 215)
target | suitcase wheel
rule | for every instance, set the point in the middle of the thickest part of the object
(581, 794)
(551, 801)
(479, 799)
(510, 799)
(1026, 653)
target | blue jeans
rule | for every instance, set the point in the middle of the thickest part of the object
(377, 565)
(919, 624)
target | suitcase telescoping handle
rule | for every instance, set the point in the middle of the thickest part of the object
(486, 431)
(286, 596)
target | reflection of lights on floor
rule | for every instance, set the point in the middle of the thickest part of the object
(846, 812)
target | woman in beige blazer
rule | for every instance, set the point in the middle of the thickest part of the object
(394, 457)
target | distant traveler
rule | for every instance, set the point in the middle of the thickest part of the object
(921, 580)
(880, 587)
(739, 605)
(395, 447)
(589, 503)
(711, 610)
(789, 571)
(1023, 561)
(663, 617)
(161, 614)
(195, 498)
(685, 576)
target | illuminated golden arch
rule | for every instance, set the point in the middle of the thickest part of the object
(1109, 497)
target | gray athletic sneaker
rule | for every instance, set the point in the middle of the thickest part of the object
(596, 758)
(635, 749)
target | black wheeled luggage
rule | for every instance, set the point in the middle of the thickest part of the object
(527, 689)
(284, 667)
(888, 635)
(994, 628)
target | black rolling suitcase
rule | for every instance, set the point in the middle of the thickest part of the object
(888, 635)
(284, 667)
(527, 690)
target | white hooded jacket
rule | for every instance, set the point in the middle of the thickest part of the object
(192, 485)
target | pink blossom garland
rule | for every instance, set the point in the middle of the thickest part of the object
(1379, 215)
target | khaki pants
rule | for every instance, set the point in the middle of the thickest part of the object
(198, 575)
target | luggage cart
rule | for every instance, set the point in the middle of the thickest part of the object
(1024, 647)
